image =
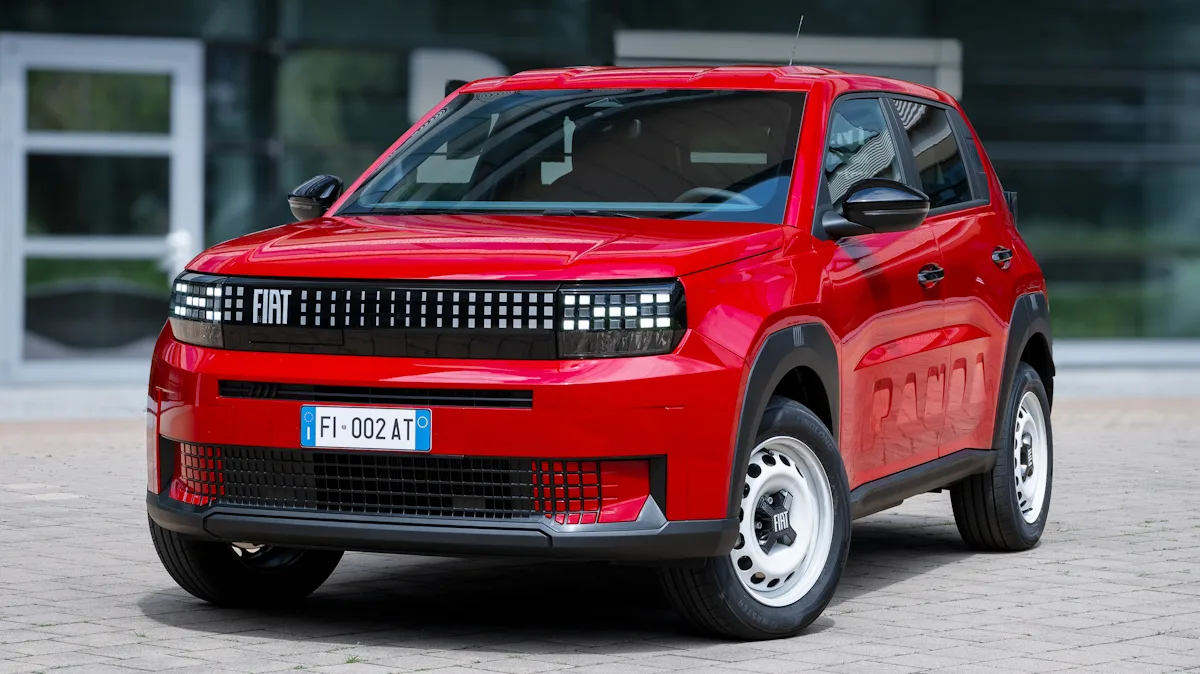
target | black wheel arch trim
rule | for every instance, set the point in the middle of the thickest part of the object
(806, 345)
(1031, 316)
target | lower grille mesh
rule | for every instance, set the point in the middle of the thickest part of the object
(390, 484)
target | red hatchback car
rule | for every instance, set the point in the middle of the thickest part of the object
(698, 316)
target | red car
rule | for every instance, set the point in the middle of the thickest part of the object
(703, 317)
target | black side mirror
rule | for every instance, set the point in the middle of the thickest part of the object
(453, 85)
(876, 205)
(314, 196)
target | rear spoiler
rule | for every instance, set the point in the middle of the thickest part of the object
(1010, 198)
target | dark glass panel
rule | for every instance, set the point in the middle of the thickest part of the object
(213, 19)
(239, 197)
(331, 97)
(1118, 245)
(98, 101)
(78, 308)
(238, 94)
(370, 22)
(102, 195)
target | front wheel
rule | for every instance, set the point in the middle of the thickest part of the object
(794, 534)
(242, 574)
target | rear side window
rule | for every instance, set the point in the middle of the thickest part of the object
(860, 146)
(939, 159)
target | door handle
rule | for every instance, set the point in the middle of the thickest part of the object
(930, 275)
(1002, 257)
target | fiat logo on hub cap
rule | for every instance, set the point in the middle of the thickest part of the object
(779, 521)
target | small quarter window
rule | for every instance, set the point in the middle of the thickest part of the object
(939, 160)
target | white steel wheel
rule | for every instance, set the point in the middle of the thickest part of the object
(786, 522)
(1030, 457)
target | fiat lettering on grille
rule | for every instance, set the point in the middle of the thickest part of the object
(270, 306)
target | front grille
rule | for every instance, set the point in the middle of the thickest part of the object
(412, 397)
(414, 320)
(393, 484)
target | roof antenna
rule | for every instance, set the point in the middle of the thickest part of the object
(796, 41)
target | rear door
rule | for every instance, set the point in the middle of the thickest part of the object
(892, 375)
(945, 165)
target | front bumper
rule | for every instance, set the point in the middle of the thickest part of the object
(679, 407)
(649, 538)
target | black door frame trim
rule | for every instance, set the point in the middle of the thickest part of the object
(807, 345)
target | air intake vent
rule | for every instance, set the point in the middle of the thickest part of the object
(569, 491)
(407, 397)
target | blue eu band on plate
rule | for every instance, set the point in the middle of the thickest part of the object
(386, 428)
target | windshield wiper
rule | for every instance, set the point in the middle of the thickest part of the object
(588, 211)
(428, 210)
(401, 211)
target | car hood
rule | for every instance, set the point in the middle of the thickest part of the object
(504, 247)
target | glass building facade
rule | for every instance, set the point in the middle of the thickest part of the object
(1089, 110)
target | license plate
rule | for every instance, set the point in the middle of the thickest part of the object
(366, 428)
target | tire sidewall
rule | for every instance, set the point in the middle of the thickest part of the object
(1025, 380)
(213, 572)
(785, 417)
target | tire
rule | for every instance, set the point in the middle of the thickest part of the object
(720, 596)
(999, 510)
(224, 575)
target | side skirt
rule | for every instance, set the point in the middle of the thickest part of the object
(890, 491)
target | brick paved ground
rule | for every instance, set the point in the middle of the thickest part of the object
(1114, 587)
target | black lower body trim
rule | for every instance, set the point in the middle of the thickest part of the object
(666, 541)
(881, 494)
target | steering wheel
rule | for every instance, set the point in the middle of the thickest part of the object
(706, 192)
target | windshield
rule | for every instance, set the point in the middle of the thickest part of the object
(662, 153)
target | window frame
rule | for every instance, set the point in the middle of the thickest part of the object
(824, 201)
(980, 195)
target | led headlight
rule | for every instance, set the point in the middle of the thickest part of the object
(197, 308)
(600, 321)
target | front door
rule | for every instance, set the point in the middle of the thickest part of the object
(101, 170)
(975, 288)
(893, 372)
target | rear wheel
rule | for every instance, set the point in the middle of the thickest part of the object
(242, 574)
(1006, 509)
(794, 534)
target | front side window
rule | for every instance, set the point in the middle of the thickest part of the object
(859, 146)
(939, 161)
(662, 153)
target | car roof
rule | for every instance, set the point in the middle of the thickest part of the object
(790, 78)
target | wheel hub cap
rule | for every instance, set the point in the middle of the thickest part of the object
(772, 521)
(785, 522)
(1026, 460)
